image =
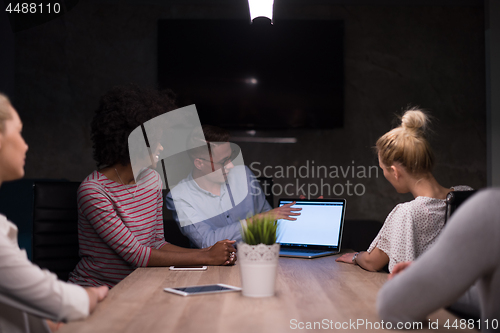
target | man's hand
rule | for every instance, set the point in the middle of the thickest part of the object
(222, 253)
(399, 268)
(96, 295)
(284, 212)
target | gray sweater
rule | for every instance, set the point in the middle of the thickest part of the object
(467, 251)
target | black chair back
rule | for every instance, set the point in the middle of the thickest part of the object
(455, 199)
(173, 234)
(55, 227)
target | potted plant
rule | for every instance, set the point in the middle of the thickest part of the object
(258, 256)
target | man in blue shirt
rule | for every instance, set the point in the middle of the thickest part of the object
(209, 204)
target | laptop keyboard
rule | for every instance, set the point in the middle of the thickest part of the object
(304, 250)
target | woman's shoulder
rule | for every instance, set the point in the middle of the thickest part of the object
(7, 228)
(405, 210)
(95, 179)
(150, 179)
(148, 174)
(95, 176)
(406, 206)
(96, 182)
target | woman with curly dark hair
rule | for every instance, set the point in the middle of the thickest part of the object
(120, 221)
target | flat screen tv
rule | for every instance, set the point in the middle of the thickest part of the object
(242, 76)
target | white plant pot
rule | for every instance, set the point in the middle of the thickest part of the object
(258, 265)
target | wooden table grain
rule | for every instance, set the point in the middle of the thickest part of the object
(319, 293)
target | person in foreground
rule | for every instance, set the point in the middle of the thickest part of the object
(406, 159)
(467, 252)
(203, 205)
(28, 293)
(120, 219)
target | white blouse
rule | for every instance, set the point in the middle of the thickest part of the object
(28, 293)
(411, 228)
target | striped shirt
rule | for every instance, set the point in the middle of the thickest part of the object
(117, 227)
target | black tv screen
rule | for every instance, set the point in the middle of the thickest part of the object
(244, 76)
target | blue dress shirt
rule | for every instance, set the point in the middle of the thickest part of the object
(206, 218)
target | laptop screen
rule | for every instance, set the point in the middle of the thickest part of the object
(320, 223)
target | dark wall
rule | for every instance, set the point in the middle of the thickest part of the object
(421, 55)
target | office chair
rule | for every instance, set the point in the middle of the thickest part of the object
(173, 234)
(455, 199)
(55, 227)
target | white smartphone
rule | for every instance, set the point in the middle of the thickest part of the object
(188, 268)
(206, 289)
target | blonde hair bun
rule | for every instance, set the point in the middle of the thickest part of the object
(407, 144)
(414, 119)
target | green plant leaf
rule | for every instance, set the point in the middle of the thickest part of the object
(263, 229)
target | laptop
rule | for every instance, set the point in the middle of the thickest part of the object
(317, 232)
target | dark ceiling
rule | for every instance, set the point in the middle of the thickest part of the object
(308, 2)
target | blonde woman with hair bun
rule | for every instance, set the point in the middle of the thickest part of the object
(406, 159)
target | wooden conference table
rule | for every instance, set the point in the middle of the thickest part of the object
(317, 290)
